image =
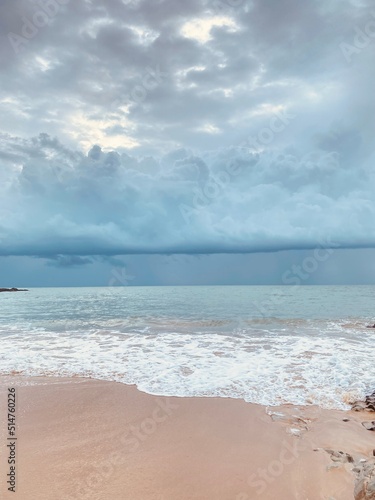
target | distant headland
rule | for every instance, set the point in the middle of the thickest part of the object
(13, 290)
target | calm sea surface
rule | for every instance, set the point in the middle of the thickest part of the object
(268, 345)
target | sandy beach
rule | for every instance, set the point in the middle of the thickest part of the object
(89, 439)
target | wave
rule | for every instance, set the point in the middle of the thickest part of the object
(299, 361)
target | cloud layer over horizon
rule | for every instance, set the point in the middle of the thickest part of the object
(226, 201)
(198, 127)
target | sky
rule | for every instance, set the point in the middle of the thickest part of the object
(159, 142)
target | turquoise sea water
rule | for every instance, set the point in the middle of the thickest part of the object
(267, 344)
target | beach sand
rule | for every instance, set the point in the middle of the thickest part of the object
(88, 439)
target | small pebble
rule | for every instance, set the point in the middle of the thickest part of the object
(370, 426)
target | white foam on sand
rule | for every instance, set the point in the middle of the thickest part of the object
(258, 366)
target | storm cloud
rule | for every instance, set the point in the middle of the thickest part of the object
(223, 201)
(171, 127)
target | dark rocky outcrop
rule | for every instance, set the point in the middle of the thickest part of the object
(13, 290)
(365, 468)
(368, 404)
(365, 484)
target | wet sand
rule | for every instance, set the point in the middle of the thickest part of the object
(88, 439)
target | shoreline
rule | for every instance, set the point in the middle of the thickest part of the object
(91, 439)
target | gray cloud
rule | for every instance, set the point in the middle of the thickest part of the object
(171, 93)
(78, 75)
(60, 202)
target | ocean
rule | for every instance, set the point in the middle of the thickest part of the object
(265, 344)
